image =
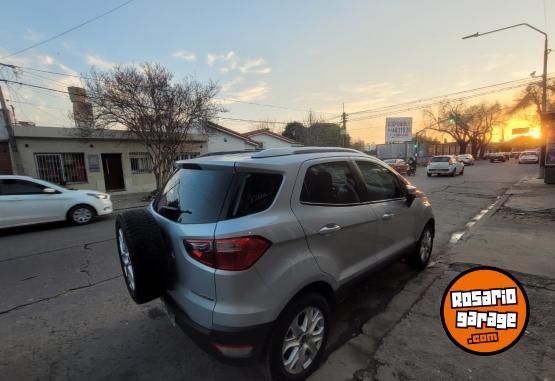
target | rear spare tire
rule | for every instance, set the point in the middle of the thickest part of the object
(143, 255)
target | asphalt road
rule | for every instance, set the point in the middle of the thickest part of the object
(65, 312)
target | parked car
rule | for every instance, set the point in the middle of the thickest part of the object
(445, 165)
(397, 164)
(250, 251)
(25, 201)
(529, 157)
(497, 157)
(466, 158)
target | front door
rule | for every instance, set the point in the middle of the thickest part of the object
(113, 172)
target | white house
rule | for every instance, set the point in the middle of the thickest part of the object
(108, 160)
(269, 139)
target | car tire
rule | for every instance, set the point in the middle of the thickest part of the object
(289, 328)
(143, 255)
(452, 174)
(420, 257)
(429, 174)
(462, 172)
(81, 215)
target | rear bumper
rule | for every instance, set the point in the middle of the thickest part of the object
(254, 337)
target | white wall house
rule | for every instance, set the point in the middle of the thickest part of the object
(269, 139)
(109, 160)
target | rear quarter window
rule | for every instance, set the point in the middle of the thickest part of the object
(257, 192)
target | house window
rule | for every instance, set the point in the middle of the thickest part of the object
(141, 162)
(187, 155)
(61, 168)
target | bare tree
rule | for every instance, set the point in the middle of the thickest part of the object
(531, 96)
(146, 101)
(485, 118)
(451, 119)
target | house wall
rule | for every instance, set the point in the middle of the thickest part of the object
(269, 141)
(134, 182)
(218, 142)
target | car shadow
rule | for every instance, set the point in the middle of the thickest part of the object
(46, 226)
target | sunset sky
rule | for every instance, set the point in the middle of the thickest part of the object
(297, 55)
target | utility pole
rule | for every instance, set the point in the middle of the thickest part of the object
(343, 131)
(17, 167)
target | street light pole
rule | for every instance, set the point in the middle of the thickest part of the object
(544, 82)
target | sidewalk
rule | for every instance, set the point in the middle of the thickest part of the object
(407, 341)
(129, 200)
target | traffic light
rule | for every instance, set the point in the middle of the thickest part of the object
(415, 145)
(451, 119)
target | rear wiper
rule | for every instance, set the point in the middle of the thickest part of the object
(175, 209)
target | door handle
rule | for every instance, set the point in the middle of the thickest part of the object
(330, 228)
(388, 216)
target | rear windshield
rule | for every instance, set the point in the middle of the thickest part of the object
(440, 159)
(194, 196)
(529, 153)
(197, 196)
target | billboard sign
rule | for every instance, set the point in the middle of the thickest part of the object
(398, 130)
(520, 131)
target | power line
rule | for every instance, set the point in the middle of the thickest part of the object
(443, 96)
(68, 30)
(66, 92)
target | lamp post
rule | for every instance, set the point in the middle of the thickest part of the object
(544, 79)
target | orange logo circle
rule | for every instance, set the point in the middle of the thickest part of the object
(484, 310)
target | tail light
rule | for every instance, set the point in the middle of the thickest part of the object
(232, 254)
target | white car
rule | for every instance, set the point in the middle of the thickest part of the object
(466, 158)
(25, 201)
(445, 165)
(528, 157)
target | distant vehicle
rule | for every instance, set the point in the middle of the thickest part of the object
(497, 157)
(397, 164)
(25, 201)
(445, 165)
(528, 157)
(466, 158)
(515, 155)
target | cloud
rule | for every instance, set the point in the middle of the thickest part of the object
(382, 89)
(463, 83)
(46, 59)
(33, 36)
(185, 55)
(227, 86)
(95, 60)
(250, 94)
(229, 61)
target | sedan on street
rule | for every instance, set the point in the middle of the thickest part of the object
(497, 157)
(528, 157)
(445, 165)
(25, 201)
(466, 158)
(397, 164)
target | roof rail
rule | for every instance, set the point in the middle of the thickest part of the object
(230, 152)
(285, 151)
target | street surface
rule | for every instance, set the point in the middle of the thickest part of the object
(65, 312)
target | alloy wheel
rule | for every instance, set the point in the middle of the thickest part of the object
(82, 215)
(426, 245)
(303, 340)
(126, 261)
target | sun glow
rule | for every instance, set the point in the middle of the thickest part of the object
(533, 130)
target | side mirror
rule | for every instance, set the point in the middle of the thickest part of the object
(49, 191)
(411, 192)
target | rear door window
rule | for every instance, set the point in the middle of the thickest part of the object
(330, 183)
(194, 196)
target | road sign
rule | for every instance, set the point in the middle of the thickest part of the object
(398, 130)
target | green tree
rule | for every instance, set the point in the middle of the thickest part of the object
(295, 131)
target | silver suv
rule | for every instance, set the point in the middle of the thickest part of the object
(250, 250)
